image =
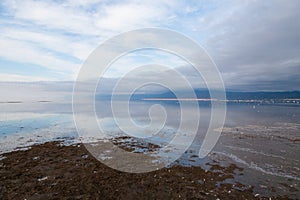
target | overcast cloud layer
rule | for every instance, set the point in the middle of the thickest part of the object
(255, 44)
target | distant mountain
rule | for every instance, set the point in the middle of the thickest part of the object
(204, 94)
(263, 95)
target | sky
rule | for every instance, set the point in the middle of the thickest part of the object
(255, 44)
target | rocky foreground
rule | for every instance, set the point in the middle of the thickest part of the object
(55, 171)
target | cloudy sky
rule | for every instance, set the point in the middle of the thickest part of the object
(255, 44)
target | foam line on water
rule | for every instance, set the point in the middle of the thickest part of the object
(255, 166)
(254, 152)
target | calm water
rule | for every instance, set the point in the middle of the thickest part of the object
(262, 139)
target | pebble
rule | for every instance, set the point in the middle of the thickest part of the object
(263, 186)
(42, 179)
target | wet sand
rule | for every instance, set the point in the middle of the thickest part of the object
(55, 171)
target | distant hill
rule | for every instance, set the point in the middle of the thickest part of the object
(203, 94)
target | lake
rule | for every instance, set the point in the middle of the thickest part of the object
(263, 139)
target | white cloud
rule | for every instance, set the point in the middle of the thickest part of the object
(51, 41)
(249, 40)
(129, 16)
(51, 15)
(21, 52)
(5, 77)
(48, 33)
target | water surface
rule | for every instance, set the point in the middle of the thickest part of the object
(262, 139)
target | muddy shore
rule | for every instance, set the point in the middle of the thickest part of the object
(55, 171)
